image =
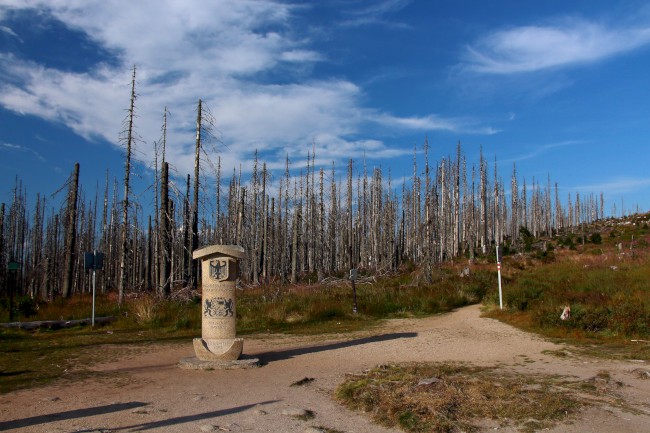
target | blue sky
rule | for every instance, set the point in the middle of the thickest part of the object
(561, 88)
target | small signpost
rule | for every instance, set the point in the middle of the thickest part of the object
(499, 253)
(95, 261)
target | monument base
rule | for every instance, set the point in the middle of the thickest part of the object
(194, 363)
(218, 350)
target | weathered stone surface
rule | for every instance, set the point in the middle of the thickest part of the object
(195, 363)
(220, 250)
(220, 269)
(206, 350)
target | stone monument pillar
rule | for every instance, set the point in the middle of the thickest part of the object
(220, 268)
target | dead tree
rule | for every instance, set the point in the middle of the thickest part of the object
(165, 255)
(484, 203)
(129, 141)
(70, 233)
(195, 198)
(3, 259)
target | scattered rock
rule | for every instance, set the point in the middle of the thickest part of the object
(532, 387)
(209, 427)
(302, 414)
(429, 381)
(51, 399)
(315, 430)
(199, 398)
(141, 410)
(303, 381)
(294, 412)
(641, 373)
(261, 412)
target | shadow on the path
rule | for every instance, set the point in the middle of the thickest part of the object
(76, 413)
(190, 418)
(267, 357)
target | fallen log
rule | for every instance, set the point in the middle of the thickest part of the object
(56, 324)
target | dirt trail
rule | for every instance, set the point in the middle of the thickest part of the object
(148, 392)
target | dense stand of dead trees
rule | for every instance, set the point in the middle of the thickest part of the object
(314, 221)
(319, 222)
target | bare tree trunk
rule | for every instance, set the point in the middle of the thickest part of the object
(125, 208)
(3, 259)
(186, 255)
(265, 227)
(70, 232)
(349, 215)
(456, 216)
(195, 201)
(321, 230)
(297, 221)
(165, 235)
(484, 204)
(514, 197)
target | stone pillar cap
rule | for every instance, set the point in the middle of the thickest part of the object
(222, 250)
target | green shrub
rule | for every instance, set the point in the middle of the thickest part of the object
(596, 238)
(27, 306)
(522, 297)
(527, 238)
(588, 318)
(630, 317)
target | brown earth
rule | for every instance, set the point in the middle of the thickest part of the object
(146, 391)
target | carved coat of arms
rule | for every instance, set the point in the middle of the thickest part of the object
(218, 307)
(220, 269)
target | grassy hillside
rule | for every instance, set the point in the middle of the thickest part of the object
(602, 274)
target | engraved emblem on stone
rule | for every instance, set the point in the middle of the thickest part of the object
(219, 269)
(218, 307)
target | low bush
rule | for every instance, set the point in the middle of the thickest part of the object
(596, 238)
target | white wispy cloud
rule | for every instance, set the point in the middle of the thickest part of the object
(21, 148)
(537, 47)
(545, 148)
(222, 51)
(616, 186)
(376, 12)
(9, 31)
(433, 123)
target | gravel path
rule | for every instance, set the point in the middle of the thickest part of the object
(148, 392)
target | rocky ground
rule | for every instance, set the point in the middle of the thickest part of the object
(146, 391)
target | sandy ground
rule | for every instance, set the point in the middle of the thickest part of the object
(146, 391)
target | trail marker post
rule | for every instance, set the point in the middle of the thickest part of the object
(499, 253)
(353, 279)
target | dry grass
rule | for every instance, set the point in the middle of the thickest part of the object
(443, 397)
